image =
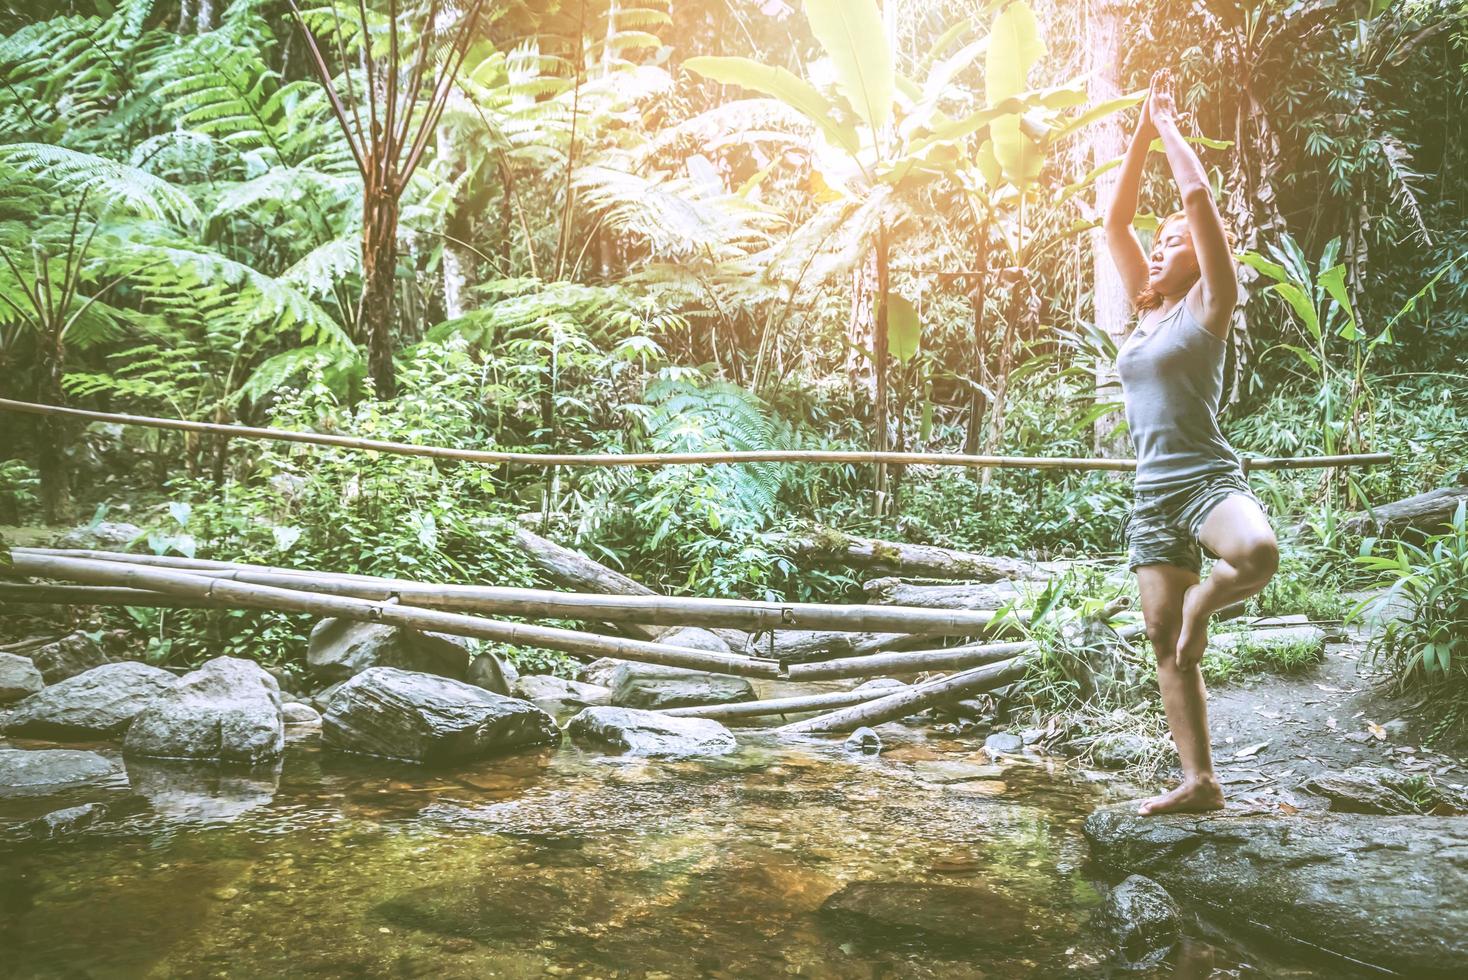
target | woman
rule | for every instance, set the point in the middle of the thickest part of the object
(1190, 487)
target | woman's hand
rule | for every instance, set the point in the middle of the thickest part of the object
(1160, 110)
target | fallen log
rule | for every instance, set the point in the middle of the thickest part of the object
(840, 624)
(228, 593)
(967, 595)
(829, 547)
(883, 664)
(779, 706)
(953, 687)
(87, 595)
(1428, 512)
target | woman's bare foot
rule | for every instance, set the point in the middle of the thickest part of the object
(1192, 637)
(1193, 796)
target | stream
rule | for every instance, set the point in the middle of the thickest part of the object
(564, 862)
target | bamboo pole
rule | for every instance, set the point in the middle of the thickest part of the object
(541, 603)
(913, 699)
(657, 459)
(951, 658)
(778, 706)
(87, 595)
(224, 592)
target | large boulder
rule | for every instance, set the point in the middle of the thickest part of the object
(599, 671)
(694, 638)
(1142, 919)
(1390, 892)
(492, 673)
(96, 704)
(228, 709)
(39, 772)
(105, 536)
(558, 695)
(423, 718)
(342, 648)
(19, 678)
(64, 657)
(649, 686)
(648, 733)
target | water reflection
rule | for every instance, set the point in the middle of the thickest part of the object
(201, 792)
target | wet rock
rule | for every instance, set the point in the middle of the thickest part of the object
(228, 709)
(1004, 743)
(599, 671)
(65, 657)
(1120, 750)
(1387, 891)
(558, 695)
(954, 919)
(864, 740)
(323, 697)
(648, 733)
(64, 823)
(39, 772)
(202, 792)
(106, 536)
(96, 704)
(339, 649)
(19, 677)
(299, 713)
(652, 687)
(423, 718)
(1142, 919)
(491, 673)
(1363, 789)
(695, 638)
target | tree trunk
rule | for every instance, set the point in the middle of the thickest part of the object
(880, 359)
(379, 268)
(56, 505)
(1111, 310)
(830, 547)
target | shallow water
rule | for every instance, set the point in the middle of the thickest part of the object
(564, 862)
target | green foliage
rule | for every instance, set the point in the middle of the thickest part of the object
(1246, 659)
(19, 485)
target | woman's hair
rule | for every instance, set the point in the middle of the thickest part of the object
(1149, 298)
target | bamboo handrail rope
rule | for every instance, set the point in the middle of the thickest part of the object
(201, 586)
(750, 615)
(663, 459)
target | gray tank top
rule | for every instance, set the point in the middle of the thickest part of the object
(1171, 381)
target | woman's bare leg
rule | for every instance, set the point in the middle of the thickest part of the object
(1239, 534)
(1163, 589)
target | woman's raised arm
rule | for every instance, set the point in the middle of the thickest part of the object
(1121, 236)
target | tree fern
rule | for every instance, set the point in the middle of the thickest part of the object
(108, 184)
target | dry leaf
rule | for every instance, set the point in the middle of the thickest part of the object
(1331, 723)
(1376, 730)
(1251, 751)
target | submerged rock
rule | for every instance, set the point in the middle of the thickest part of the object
(39, 772)
(340, 648)
(1142, 919)
(650, 686)
(423, 718)
(65, 657)
(228, 709)
(95, 704)
(65, 823)
(648, 733)
(953, 919)
(1390, 892)
(19, 677)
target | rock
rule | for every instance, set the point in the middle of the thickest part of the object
(599, 671)
(228, 709)
(423, 718)
(341, 648)
(202, 792)
(39, 772)
(106, 536)
(947, 919)
(65, 657)
(695, 638)
(491, 673)
(323, 697)
(19, 677)
(299, 713)
(647, 733)
(65, 823)
(865, 741)
(557, 695)
(1004, 743)
(1143, 920)
(1390, 891)
(651, 687)
(1362, 789)
(889, 684)
(1120, 750)
(95, 704)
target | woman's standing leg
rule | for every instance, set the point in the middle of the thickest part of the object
(1163, 588)
(1237, 531)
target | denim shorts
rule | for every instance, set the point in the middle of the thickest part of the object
(1164, 524)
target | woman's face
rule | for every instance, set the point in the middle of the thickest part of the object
(1173, 266)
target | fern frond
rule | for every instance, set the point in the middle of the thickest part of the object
(108, 184)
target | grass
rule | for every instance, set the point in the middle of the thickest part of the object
(1246, 659)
